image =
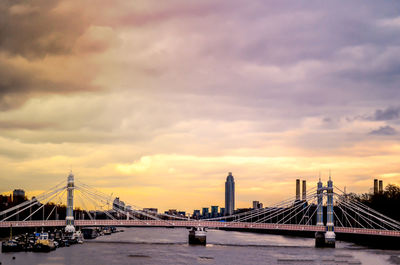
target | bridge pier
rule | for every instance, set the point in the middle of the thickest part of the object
(319, 239)
(198, 236)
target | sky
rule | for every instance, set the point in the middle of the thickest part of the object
(156, 101)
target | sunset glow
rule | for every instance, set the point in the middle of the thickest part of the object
(156, 101)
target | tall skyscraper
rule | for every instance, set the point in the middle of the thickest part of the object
(229, 195)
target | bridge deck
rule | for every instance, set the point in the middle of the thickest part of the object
(210, 224)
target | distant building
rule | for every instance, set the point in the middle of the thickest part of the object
(182, 213)
(229, 195)
(242, 210)
(222, 211)
(5, 201)
(204, 212)
(378, 186)
(171, 212)
(18, 196)
(257, 205)
(297, 189)
(150, 210)
(214, 211)
(118, 204)
(196, 214)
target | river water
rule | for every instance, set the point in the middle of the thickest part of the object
(169, 246)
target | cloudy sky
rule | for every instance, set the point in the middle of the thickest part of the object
(157, 101)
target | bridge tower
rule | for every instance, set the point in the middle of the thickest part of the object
(320, 236)
(327, 238)
(330, 234)
(69, 219)
(320, 196)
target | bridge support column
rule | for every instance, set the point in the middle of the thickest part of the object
(69, 219)
(320, 196)
(320, 236)
(198, 236)
(330, 237)
(327, 238)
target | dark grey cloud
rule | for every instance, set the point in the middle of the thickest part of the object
(391, 113)
(34, 29)
(19, 84)
(384, 130)
(288, 31)
(284, 34)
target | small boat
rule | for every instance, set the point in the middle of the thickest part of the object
(64, 243)
(89, 233)
(107, 231)
(78, 237)
(44, 244)
(75, 237)
(10, 246)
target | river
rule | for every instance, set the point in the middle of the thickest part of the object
(169, 246)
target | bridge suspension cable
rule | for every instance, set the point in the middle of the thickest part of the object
(276, 209)
(98, 195)
(43, 204)
(258, 212)
(135, 209)
(283, 210)
(31, 203)
(312, 215)
(361, 211)
(39, 197)
(79, 196)
(369, 210)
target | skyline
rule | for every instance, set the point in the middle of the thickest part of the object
(156, 102)
(90, 206)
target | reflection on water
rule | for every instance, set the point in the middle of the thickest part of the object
(169, 246)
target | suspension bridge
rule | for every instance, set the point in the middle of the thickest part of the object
(325, 210)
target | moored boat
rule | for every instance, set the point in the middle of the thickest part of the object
(107, 231)
(44, 244)
(10, 246)
(78, 237)
(89, 233)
